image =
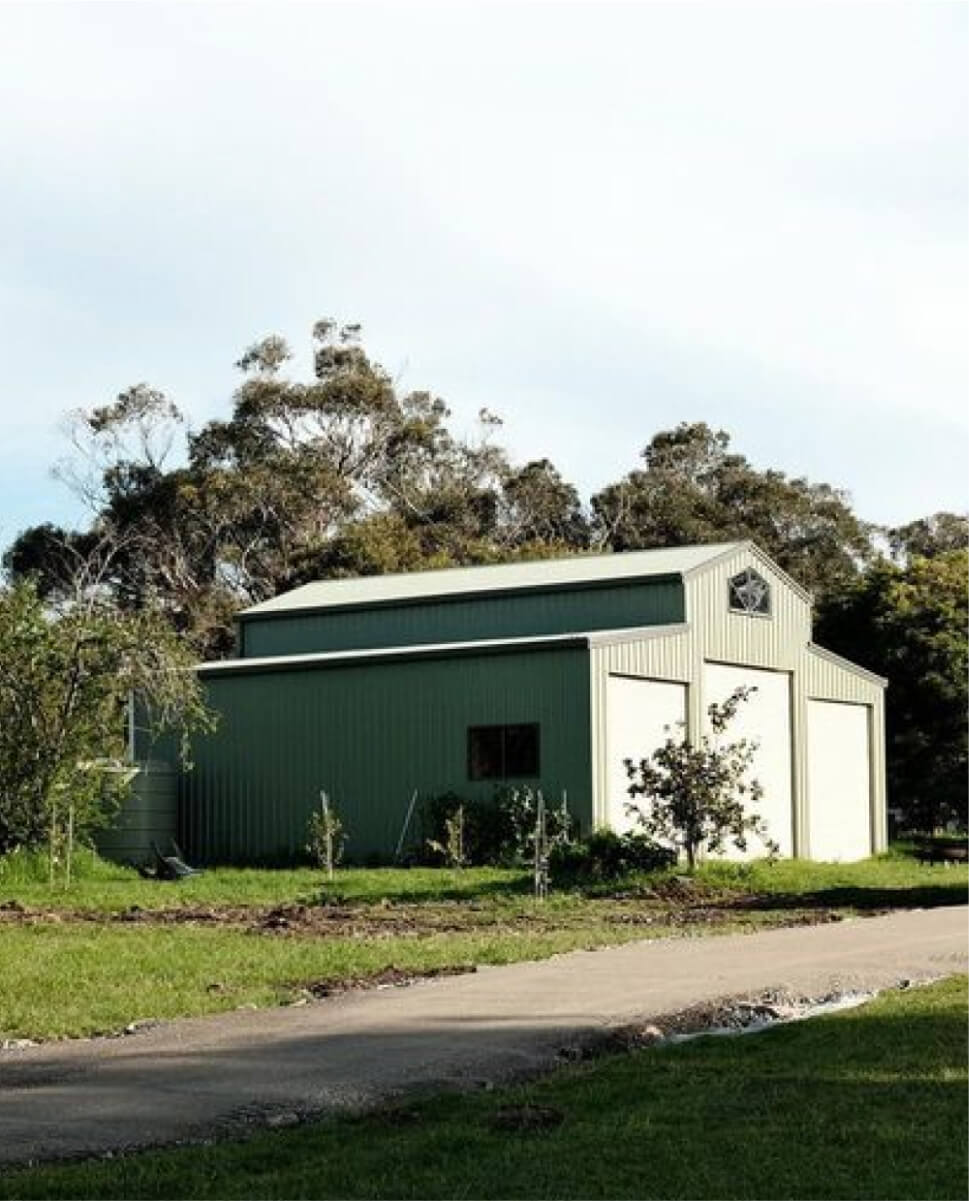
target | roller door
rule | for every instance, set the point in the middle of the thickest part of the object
(640, 713)
(839, 780)
(766, 718)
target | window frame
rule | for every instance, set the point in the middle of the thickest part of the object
(740, 608)
(503, 728)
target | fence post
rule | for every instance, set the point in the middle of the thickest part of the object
(69, 855)
(53, 840)
(541, 848)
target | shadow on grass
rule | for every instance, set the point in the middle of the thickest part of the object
(858, 897)
(864, 900)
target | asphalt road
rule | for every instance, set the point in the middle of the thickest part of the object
(188, 1079)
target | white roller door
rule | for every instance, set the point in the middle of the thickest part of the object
(839, 780)
(639, 714)
(766, 718)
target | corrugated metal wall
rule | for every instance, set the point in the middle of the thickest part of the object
(776, 642)
(370, 734)
(517, 615)
(779, 642)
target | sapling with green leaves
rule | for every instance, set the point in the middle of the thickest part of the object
(453, 847)
(697, 797)
(326, 835)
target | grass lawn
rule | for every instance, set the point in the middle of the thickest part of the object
(115, 948)
(869, 1103)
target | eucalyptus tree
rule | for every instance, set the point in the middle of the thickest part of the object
(693, 488)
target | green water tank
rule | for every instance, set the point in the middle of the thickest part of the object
(148, 814)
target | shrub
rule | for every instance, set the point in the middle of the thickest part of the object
(482, 828)
(606, 855)
(454, 847)
(496, 831)
(519, 808)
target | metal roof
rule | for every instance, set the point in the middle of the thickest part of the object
(499, 577)
(840, 661)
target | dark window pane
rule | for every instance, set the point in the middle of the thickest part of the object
(521, 751)
(485, 745)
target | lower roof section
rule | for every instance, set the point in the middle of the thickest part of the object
(846, 664)
(493, 646)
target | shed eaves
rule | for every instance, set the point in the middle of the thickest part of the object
(499, 577)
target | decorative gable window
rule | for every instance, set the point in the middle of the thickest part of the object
(750, 593)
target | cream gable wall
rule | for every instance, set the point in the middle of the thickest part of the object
(779, 642)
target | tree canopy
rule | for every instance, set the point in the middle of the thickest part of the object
(910, 625)
(693, 488)
(346, 474)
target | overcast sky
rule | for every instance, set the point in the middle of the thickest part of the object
(595, 220)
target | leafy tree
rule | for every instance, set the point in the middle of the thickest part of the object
(49, 555)
(340, 475)
(539, 508)
(929, 536)
(696, 796)
(65, 679)
(693, 489)
(910, 625)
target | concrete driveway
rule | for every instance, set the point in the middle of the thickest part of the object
(187, 1079)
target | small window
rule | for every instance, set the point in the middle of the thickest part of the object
(750, 593)
(503, 752)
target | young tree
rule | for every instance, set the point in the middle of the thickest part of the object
(65, 681)
(696, 797)
(326, 835)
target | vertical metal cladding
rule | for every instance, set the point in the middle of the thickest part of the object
(370, 733)
(467, 619)
(773, 641)
(778, 642)
(712, 633)
(371, 730)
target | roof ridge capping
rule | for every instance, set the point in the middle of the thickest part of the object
(583, 568)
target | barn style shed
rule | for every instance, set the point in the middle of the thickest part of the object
(550, 673)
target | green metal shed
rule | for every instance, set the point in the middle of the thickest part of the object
(550, 672)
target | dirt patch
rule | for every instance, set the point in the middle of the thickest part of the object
(388, 977)
(676, 905)
(731, 1015)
